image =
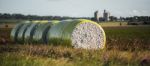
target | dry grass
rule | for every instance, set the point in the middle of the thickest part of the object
(45, 55)
(126, 46)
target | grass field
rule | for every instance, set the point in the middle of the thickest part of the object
(126, 46)
(128, 38)
(112, 24)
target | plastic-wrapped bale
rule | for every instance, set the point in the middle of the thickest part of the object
(54, 21)
(79, 33)
(40, 21)
(15, 31)
(40, 33)
(28, 36)
(22, 30)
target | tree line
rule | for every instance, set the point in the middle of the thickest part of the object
(36, 17)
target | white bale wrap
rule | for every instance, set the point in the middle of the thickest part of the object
(21, 33)
(79, 33)
(28, 37)
(14, 32)
(41, 31)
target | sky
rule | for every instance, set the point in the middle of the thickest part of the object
(76, 8)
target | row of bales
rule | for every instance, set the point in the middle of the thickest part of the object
(78, 33)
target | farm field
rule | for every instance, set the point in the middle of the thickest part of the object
(125, 46)
(112, 24)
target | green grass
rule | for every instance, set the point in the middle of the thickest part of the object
(43, 55)
(126, 46)
(108, 24)
(128, 38)
(9, 21)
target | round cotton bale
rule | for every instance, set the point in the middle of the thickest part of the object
(40, 33)
(22, 30)
(15, 31)
(79, 33)
(28, 36)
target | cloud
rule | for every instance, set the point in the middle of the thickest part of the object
(136, 12)
(56, 0)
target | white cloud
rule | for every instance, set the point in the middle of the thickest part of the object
(56, 0)
(136, 12)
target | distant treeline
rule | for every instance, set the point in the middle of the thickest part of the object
(36, 17)
(7, 16)
(127, 19)
(138, 19)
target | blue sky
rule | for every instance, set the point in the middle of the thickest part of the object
(76, 8)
